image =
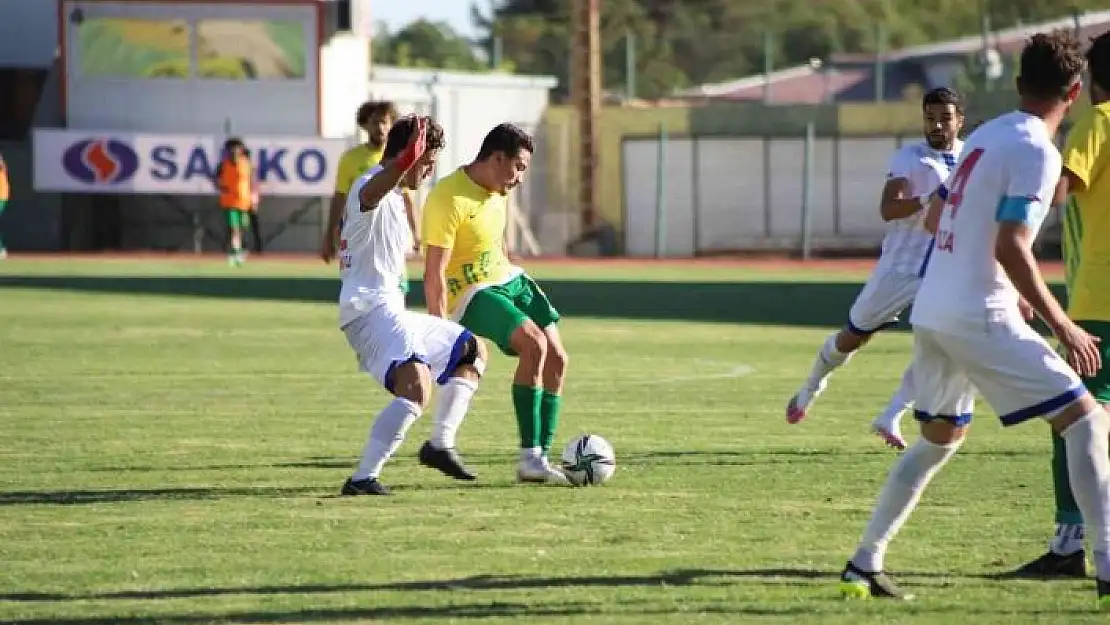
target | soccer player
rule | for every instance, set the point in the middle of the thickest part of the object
(916, 170)
(402, 350)
(375, 118)
(235, 181)
(469, 276)
(3, 199)
(970, 330)
(1088, 280)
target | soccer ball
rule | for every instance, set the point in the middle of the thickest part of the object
(589, 460)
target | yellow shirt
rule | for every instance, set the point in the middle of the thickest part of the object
(468, 220)
(1087, 217)
(355, 162)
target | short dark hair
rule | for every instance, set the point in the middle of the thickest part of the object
(1050, 64)
(1098, 60)
(381, 108)
(232, 143)
(943, 95)
(506, 138)
(401, 130)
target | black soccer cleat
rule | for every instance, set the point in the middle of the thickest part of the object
(369, 486)
(446, 461)
(855, 583)
(1053, 565)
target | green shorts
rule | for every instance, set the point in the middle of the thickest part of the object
(237, 219)
(1099, 385)
(496, 312)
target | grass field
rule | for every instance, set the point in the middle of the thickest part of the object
(174, 436)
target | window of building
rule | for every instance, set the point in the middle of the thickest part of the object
(124, 47)
(251, 49)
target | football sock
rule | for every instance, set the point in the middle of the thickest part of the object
(902, 399)
(550, 404)
(1067, 540)
(526, 403)
(1089, 472)
(386, 435)
(900, 494)
(828, 359)
(1067, 511)
(451, 406)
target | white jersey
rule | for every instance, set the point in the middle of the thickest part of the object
(906, 243)
(965, 288)
(372, 250)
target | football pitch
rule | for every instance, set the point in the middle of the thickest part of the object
(175, 434)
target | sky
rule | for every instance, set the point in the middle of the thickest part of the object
(397, 13)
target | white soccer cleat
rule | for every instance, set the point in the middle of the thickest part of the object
(802, 400)
(889, 431)
(540, 471)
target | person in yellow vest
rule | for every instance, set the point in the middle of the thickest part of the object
(234, 178)
(4, 191)
(375, 118)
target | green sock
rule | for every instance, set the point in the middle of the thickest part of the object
(550, 403)
(526, 403)
(1067, 511)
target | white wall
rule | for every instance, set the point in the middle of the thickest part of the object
(28, 33)
(729, 194)
(344, 60)
(265, 106)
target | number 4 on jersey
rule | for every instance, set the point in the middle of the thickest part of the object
(959, 179)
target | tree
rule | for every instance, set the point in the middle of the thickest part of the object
(425, 44)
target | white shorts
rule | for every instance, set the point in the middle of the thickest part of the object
(384, 339)
(1012, 366)
(886, 294)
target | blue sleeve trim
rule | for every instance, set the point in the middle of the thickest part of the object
(1024, 210)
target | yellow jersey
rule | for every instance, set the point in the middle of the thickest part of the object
(355, 162)
(1087, 217)
(468, 220)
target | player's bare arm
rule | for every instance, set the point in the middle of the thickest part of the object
(933, 211)
(330, 244)
(411, 211)
(1013, 250)
(379, 185)
(435, 280)
(897, 202)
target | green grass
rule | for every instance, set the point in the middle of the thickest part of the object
(174, 436)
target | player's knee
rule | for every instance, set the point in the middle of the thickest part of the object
(849, 340)
(413, 381)
(557, 358)
(943, 432)
(1081, 407)
(530, 342)
(473, 362)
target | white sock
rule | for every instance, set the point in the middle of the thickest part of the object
(903, 488)
(386, 435)
(451, 406)
(530, 454)
(1068, 539)
(902, 399)
(828, 359)
(1089, 472)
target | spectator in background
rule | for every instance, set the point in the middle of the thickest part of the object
(4, 191)
(375, 118)
(235, 180)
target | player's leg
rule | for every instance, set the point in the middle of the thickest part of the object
(1023, 378)
(235, 235)
(457, 359)
(492, 314)
(877, 306)
(531, 299)
(944, 410)
(1065, 556)
(256, 231)
(888, 425)
(386, 350)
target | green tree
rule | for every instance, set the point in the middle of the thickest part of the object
(425, 44)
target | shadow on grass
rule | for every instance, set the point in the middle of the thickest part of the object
(76, 497)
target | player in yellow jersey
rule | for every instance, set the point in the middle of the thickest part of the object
(1086, 177)
(468, 276)
(375, 118)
